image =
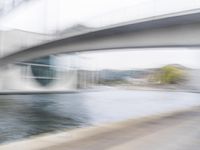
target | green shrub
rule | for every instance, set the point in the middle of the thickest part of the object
(170, 75)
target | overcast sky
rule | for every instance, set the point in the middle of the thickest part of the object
(46, 16)
(132, 59)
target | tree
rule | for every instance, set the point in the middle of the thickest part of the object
(170, 75)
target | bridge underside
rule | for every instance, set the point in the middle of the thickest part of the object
(178, 30)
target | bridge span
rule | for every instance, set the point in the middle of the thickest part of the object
(173, 30)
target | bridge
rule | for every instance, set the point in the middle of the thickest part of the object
(173, 30)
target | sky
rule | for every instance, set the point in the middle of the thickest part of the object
(46, 16)
(132, 59)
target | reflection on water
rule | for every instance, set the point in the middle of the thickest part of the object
(25, 115)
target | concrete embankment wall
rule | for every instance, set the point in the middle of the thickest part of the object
(13, 79)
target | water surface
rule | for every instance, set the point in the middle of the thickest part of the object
(26, 115)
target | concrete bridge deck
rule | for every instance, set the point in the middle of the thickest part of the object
(174, 30)
(175, 131)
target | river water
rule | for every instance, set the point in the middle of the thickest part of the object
(22, 116)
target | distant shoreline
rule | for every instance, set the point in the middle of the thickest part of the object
(123, 87)
(146, 88)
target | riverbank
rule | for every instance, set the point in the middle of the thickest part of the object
(152, 88)
(106, 136)
(99, 88)
(14, 92)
